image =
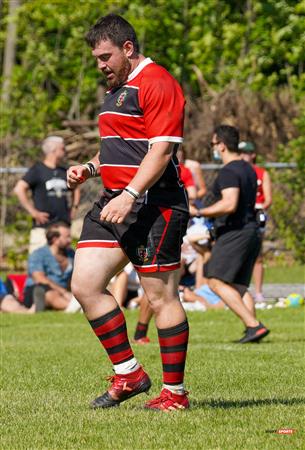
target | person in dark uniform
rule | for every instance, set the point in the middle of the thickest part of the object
(238, 240)
(141, 216)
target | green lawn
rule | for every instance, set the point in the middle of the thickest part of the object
(278, 274)
(52, 366)
(293, 274)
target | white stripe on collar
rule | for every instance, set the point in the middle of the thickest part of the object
(138, 69)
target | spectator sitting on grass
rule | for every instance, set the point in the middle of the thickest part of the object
(50, 269)
(198, 236)
(203, 295)
(9, 303)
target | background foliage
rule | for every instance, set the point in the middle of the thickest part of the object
(217, 49)
(257, 43)
(288, 210)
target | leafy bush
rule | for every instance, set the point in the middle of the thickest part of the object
(288, 208)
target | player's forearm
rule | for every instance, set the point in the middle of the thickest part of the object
(219, 208)
(41, 278)
(268, 199)
(81, 172)
(267, 190)
(202, 190)
(96, 161)
(267, 203)
(152, 166)
(192, 193)
(25, 202)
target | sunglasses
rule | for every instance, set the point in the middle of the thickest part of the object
(212, 144)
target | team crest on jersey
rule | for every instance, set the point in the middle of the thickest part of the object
(143, 253)
(121, 98)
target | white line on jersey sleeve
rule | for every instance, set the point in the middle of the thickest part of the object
(125, 139)
(177, 139)
(119, 114)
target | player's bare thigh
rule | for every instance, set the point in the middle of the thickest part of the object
(93, 269)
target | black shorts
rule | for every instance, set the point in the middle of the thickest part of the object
(151, 236)
(233, 256)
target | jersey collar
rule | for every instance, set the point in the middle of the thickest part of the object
(138, 69)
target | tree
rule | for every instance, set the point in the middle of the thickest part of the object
(9, 60)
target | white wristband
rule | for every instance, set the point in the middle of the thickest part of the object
(91, 168)
(132, 192)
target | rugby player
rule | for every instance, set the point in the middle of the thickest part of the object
(141, 216)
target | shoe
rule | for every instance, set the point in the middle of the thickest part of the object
(168, 401)
(260, 305)
(254, 334)
(259, 298)
(143, 340)
(122, 388)
(39, 294)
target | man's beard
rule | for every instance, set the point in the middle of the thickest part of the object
(121, 76)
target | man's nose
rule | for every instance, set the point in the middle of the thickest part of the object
(101, 65)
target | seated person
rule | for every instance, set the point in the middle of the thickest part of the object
(198, 237)
(188, 264)
(9, 303)
(49, 272)
(195, 250)
(203, 295)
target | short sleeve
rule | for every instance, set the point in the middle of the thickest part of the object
(227, 179)
(32, 176)
(35, 263)
(162, 102)
(186, 177)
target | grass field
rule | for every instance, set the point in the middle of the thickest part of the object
(276, 274)
(52, 366)
(292, 274)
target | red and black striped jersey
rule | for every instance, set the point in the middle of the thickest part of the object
(148, 108)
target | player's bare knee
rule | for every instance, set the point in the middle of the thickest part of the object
(158, 300)
(79, 290)
(213, 283)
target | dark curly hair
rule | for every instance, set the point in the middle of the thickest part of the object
(113, 28)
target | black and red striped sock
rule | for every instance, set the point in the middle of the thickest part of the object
(141, 330)
(173, 346)
(112, 333)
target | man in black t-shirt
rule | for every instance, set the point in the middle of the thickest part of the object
(237, 235)
(49, 191)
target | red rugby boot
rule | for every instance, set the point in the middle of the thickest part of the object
(122, 388)
(168, 401)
